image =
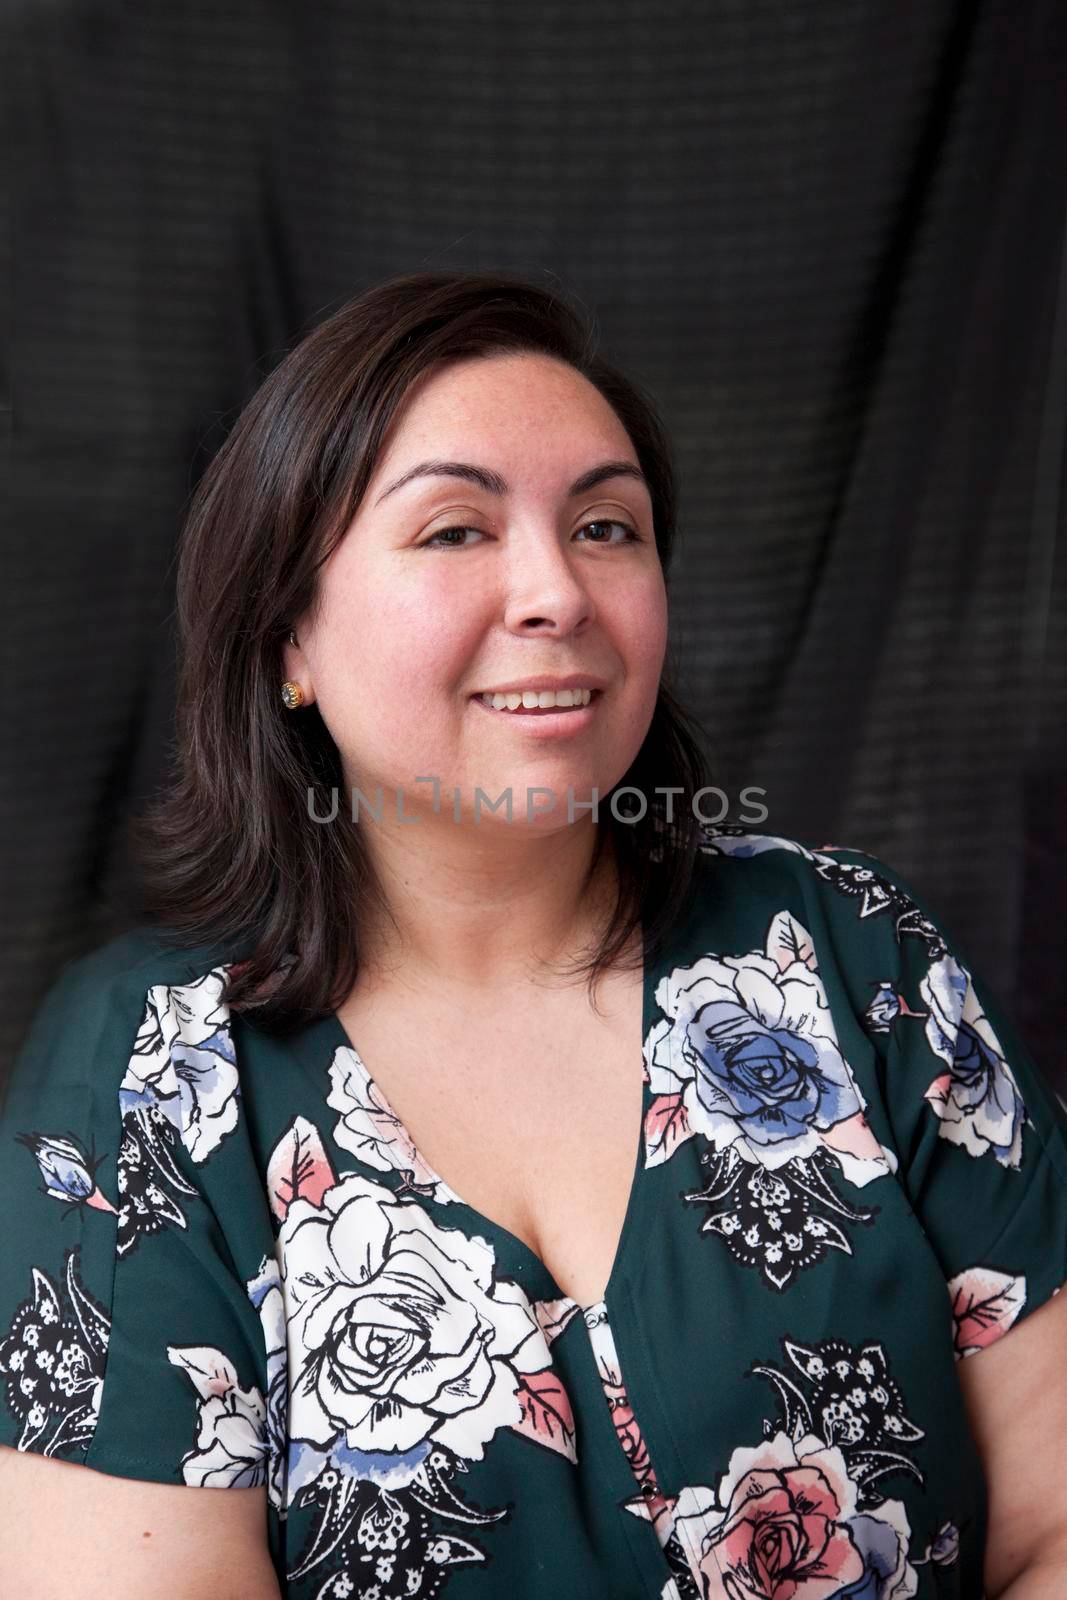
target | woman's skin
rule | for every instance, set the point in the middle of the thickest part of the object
(402, 636)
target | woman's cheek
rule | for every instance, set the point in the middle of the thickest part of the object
(640, 617)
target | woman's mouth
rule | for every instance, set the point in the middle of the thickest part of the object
(556, 716)
(533, 702)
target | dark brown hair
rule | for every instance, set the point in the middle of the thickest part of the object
(228, 852)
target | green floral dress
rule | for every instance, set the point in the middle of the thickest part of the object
(225, 1264)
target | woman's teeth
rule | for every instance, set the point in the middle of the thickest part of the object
(537, 699)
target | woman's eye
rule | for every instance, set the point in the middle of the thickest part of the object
(443, 541)
(447, 544)
(631, 533)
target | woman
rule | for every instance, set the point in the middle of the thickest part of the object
(435, 1165)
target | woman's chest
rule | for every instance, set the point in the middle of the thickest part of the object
(731, 1389)
(532, 1116)
(778, 1320)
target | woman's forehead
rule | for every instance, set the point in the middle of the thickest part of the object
(489, 400)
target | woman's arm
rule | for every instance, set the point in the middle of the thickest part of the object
(66, 1529)
(1015, 1392)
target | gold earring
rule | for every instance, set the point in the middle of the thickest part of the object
(292, 694)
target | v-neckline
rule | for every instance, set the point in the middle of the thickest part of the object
(628, 1234)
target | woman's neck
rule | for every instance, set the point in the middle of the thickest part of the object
(484, 922)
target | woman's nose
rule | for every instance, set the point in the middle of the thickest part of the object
(543, 588)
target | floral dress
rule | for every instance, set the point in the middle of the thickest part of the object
(225, 1264)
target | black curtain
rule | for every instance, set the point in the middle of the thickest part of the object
(829, 237)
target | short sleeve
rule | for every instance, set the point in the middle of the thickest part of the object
(130, 1338)
(979, 1129)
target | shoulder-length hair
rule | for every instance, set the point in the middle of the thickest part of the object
(228, 850)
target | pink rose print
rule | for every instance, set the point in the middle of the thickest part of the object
(786, 1526)
(784, 1523)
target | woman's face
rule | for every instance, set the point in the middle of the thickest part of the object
(410, 626)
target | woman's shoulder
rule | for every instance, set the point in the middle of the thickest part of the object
(122, 998)
(772, 859)
(145, 954)
(765, 860)
(127, 1083)
(737, 842)
(853, 905)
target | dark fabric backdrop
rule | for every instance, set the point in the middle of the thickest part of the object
(829, 237)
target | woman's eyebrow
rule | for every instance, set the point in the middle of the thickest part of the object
(495, 484)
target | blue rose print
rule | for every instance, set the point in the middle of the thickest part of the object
(775, 1082)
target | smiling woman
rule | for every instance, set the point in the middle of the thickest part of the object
(533, 604)
(336, 1187)
(434, 407)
